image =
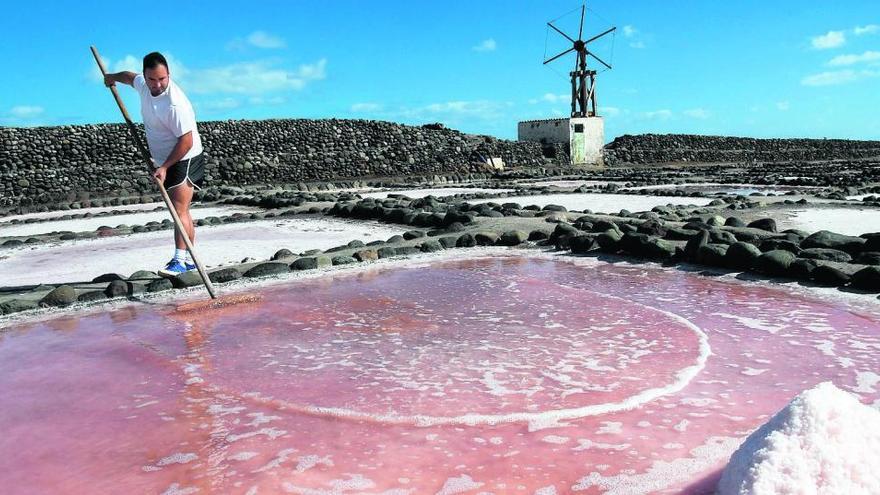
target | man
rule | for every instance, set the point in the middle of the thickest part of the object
(174, 142)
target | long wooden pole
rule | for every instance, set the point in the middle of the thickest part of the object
(137, 141)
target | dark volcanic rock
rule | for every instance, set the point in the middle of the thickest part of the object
(266, 269)
(825, 254)
(868, 258)
(867, 279)
(711, 254)
(367, 255)
(342, 260)
(282, 253)
(448, 242)
(117, 288)
(406, 250)
(486, 238)
(385, 252)
(513, 238)
(734, 222)
(466, 240)
(582, 243)
(186, 279)
(430, 246)
(91, 296)
(695, 243)
(538, 235)
(224, 275)
(742, 255)
(802, 268)
(64, 295)
(161, 284)
(771, 244)
(831, 240)
(16, 305)
(830, 276)
(767, 224)
(609, 240)
(775, 263)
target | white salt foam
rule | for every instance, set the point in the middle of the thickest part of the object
(823, 441)
(461, 484)
(178, 458)
(866, 381)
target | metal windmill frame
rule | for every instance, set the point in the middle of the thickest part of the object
(583, 79)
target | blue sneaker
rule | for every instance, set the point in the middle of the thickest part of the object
(190, 266)
(174, 267)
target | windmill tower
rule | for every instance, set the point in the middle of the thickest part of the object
(584, 131)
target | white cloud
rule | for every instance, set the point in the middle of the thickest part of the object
(697, 113)
(869, 29)
(262, 39)
(633, 34)
(366, 107)
(609, 111)
(23, 115)
(129, 63)
(832, 78)
(450, 112)
(657, 115)
(487, 45)
(782, 106)
(26, 111)
(554, 98)
(462, 107)
(831, 39)
(257, 39)
(868, 56)
(253, 78)
(259, 100)
(219, 105)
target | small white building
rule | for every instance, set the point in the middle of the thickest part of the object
(584, 135)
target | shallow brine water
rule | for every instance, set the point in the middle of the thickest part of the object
(501, 374)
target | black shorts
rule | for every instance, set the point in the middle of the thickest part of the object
(191, 170)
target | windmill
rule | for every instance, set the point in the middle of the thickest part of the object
(583, 92)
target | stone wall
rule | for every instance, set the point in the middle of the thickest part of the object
(46, 165)
(672, 148)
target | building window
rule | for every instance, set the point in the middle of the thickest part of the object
(579, 128)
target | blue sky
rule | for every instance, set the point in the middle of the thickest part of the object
(750, 68)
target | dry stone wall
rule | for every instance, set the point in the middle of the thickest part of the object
(46, 165)
(672, 148)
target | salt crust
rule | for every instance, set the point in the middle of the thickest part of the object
(823, 442)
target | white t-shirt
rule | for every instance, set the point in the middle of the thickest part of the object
(166, 118)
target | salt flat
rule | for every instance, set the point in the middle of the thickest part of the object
(438, 192)
(83, 260)
(605, 203)
(87, 224)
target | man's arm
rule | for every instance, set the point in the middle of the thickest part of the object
(124, 77)
(184, 144)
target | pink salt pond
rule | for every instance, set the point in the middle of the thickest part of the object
(502, 374)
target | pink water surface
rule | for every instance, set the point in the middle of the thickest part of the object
(504, 374)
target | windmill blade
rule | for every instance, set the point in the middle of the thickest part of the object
(599, 59)
(581, 29)
(560, 32)
(594, 38)
(561, 54)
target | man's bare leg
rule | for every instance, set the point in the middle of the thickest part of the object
(181, 198)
